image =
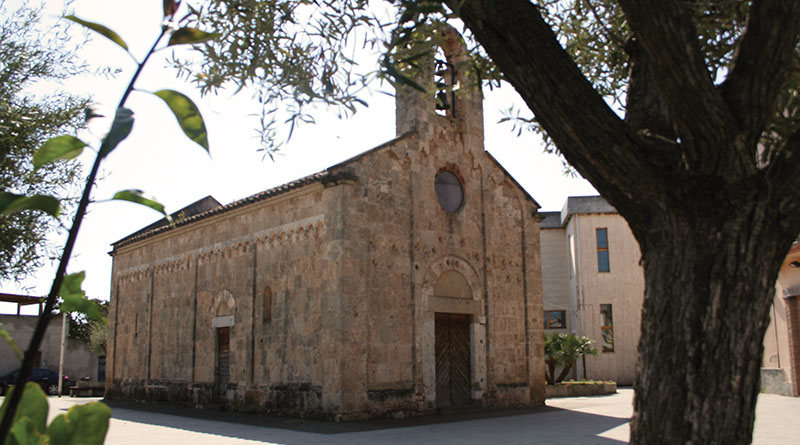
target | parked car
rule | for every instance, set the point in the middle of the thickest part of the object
(46, 378)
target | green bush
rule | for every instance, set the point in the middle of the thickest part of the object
(564, 349)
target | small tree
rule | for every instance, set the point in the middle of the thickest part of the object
(564, 349)
(82, 325)
(26, 121)
(98, 336)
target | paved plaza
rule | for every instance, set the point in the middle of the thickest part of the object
(577, 420)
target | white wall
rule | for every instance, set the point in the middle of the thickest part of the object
(78, 360)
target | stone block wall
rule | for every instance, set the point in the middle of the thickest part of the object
(257, 271)
(403, 235)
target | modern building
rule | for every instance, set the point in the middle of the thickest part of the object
(592, 284)
(780, 371)
(400, 281)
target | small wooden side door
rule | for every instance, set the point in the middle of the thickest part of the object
(222, 373)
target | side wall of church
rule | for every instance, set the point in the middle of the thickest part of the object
(268, 274)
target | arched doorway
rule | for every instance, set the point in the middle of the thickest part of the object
(452, 334)
(452, 343)
(223, 321)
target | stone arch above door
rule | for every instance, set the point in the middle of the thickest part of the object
(222, 310)
(452, 285)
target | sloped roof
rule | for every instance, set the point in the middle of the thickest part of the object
(584, 205)
(576, 205)
(552, 220)
(205, 207)
(209, 206)
(200, 206)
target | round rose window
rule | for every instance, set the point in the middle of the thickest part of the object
(449, 191)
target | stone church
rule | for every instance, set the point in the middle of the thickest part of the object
(395, 283)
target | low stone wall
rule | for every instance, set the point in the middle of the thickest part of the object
(580, 389)
(774, 381)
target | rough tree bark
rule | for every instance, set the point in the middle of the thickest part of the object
(713, 225)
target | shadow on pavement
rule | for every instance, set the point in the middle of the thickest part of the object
(539, 424)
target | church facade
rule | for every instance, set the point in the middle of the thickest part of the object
(400, 281)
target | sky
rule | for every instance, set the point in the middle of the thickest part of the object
(160, 160)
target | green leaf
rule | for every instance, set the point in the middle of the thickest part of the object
(188, 116)
(120, 129)
(107, 33)
(61, 147)
(187, 35)
(10, 341)
(61, 430)
(23, 432)
(139, 197)
(71, 286)
(75, 298)
(82, 424)
(11, 203)
(32, 406)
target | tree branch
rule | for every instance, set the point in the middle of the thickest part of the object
(666, 33)
(646, 110)
(604, 149)
(762, 63)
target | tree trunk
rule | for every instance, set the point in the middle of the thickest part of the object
(564, 372)
(551, 371)
(705, 313)
(713, 224)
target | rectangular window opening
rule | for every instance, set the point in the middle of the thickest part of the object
(607, 327)
(603, 263)
(555, 319)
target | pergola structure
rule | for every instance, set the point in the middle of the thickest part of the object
(22, 300)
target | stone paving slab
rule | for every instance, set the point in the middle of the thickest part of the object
(599, 420)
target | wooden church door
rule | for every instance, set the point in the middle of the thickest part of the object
(452, 359)
(223, 371)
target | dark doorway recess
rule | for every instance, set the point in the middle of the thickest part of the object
(222, 374)
(452, 360)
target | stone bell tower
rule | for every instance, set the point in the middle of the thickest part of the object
(452, 100)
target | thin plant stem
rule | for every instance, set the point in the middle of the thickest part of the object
(44, 318)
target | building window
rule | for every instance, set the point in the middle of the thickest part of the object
(449, 191)
(571, 256)
(603, 264)
(607, 327)
(555, 319)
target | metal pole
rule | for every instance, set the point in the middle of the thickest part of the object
(61, 355)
